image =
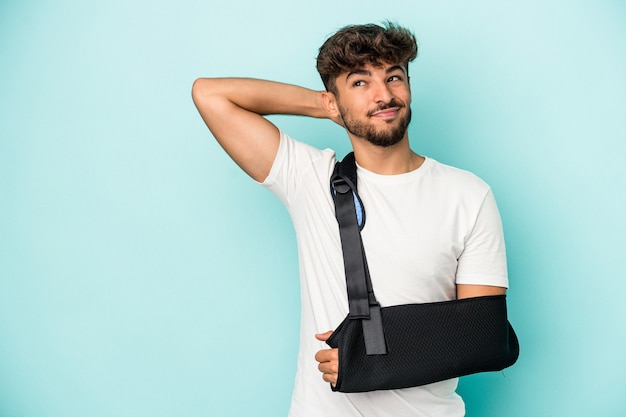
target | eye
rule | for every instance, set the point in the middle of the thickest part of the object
(358, 83)
(394, 78)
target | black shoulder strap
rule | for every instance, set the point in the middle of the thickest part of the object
(345, 172)
(362, 302)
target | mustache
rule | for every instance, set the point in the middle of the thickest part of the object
(392, 103)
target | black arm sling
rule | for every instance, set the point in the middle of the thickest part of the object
(413, 344)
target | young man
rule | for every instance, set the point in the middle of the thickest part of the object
(433, 232)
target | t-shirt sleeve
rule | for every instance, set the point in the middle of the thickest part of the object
(293, 161)
(276, 180)
(483, 260)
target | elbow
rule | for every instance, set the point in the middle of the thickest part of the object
(209, 100)
(207, 94)
(197, 89)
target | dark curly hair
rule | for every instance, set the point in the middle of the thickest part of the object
(356, 45)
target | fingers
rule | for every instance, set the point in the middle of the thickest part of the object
(328, 360)
(331, 378)
(328, 364)
(327, 355)
(323, 336)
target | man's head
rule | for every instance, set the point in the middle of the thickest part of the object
(365, 71)
(358, 45)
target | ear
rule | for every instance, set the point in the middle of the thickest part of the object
(330, 104)
(329, 101)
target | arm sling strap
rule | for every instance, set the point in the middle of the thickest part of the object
(412, 344)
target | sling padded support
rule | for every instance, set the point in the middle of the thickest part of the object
(429, 342)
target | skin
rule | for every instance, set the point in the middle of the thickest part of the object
(372, 102)
(361, 94)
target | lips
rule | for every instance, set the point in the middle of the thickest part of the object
(387, 110)
(388, 113)
(392, 112)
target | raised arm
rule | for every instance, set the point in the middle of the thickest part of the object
(233, 109)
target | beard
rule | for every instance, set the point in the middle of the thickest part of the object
(383, 138)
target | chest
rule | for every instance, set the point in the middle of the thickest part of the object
(413, 239)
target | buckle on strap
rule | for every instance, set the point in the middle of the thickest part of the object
(340, 185)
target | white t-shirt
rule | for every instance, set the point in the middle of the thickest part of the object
(425, 231)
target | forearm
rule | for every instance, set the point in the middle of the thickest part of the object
(260, 96)
(469, 291)
(233, 110)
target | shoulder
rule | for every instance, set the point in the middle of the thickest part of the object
(455, 178)
(298, 164)
(295, 158)
(291, 149)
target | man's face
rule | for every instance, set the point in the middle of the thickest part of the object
(374, 103)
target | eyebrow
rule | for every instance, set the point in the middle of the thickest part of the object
(361, 71)
(394, 68)
(358, 72)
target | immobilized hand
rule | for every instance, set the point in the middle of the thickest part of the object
(328, 360)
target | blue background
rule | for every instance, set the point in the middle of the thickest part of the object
(142, 274)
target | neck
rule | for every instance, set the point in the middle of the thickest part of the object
(392, 160)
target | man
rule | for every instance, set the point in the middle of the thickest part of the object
(433, 232)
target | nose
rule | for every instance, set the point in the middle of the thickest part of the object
(382, 93)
